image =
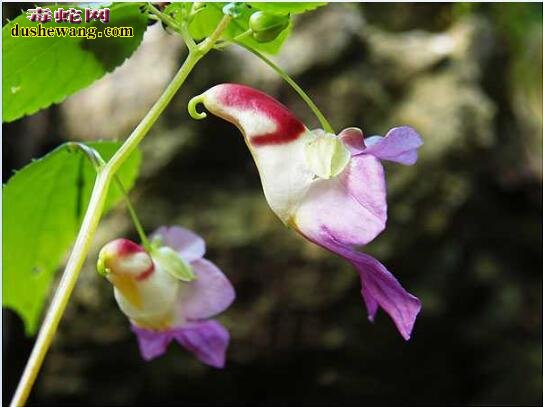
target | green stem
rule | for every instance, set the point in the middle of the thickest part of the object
(98, 162)
(143, 127)
(243, 35)
(322, 120)
(65, 287)
(166, 19)
(133, 214)
(92, 217)
(180, 27)
(92, 155)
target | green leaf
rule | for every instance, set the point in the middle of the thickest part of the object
(169, 260)
(207, 20)
(286, 7)
(42, 208)
(177, 10)
(38, 72)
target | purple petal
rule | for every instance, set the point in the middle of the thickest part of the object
(379, 287)
(152, 344)
(371, 305)
(210, 294)
(208, 340)
(353, 138)
(399, 145)
(351, 206)
(187, 243)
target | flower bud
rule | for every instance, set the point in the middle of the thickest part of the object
(266, 27)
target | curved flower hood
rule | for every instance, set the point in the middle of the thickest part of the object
(330, 188)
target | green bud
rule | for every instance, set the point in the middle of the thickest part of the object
(266, 26)
(170, 261)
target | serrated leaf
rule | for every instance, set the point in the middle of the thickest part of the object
(38, 72)
(286, 7)
(207, 20)
(170, 261)
(42, 208)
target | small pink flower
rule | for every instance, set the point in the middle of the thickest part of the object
(169, 293)
(330, 188)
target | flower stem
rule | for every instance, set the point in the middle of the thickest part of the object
(133, 214)
(66, 285)
(93, 214)
(180, 27)
(166, 19)
(98, 163)
(322, 120)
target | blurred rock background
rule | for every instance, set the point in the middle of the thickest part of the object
(464, 229)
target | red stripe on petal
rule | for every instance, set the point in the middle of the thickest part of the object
(144, 275)
(125, 247)
(288, 127)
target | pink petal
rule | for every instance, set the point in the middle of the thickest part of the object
(352, 206)
(351, 210)
(399, 145)
(152, 344)
(353, 138)
(187, 243)
(210, 294)
(379, 287)
(371, 304)
(208, 340)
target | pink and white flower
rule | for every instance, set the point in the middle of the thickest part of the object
(169, 292)
(330, 188)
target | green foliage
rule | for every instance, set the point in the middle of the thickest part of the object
(43, 205)
(206, 20)
(38, 72)
(178, 9)
(287, 7)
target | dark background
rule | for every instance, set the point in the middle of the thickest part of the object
(464, 229)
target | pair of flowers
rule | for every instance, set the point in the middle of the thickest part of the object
(329, 188)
